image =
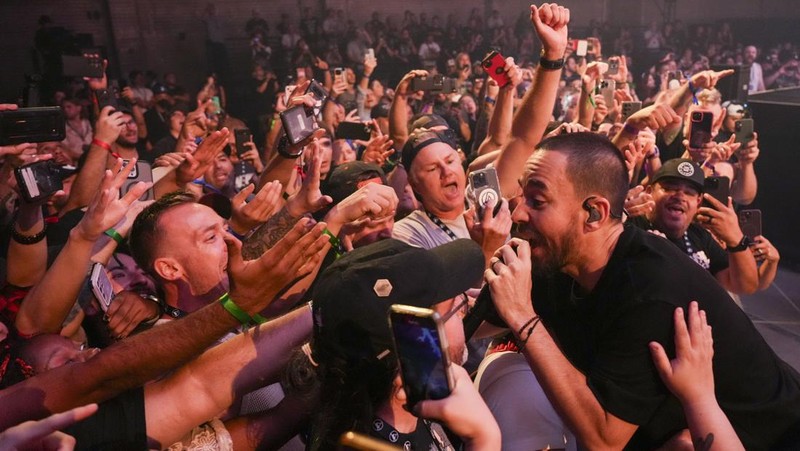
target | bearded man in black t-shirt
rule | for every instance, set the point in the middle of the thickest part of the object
(603, 292)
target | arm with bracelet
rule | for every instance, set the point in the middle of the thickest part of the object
(48, 302)
(27, 247)
(107, 130)
(530, 121)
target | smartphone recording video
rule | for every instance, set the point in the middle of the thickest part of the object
(421, 348)
(32, 125)
(494, 65)
(700, 129)
(485, 188)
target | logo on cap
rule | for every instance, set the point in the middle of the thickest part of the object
(382, 288)
(686, 169)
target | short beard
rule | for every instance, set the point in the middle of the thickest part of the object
(557, 257)
(125, 144)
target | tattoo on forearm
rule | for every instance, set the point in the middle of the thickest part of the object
(268, 234)
(701, 444)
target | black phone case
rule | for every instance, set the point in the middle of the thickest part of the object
(719, 188)
(241, 136)
(744, 131)
(750, 222)
(299, 123)
(353, 130)
(37, 181)
(700, 130)
(32, 125)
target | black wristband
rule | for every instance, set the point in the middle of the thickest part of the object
(743, 245)
(282, 147)
(547, 64)
(28, 239)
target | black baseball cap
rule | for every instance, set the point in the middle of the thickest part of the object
(347, 178)
(428, 121)
(681, 169)
(380, 110)
(421, 138)
(352, 297)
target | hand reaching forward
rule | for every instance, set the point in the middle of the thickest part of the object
(106, 208)
(690, 375)
(255, 283)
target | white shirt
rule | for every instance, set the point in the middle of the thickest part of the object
(418, 230)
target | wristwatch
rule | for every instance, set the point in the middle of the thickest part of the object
(282, 148)
(743, 245)
(547, 64)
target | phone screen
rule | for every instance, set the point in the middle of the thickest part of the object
(423, 361)
(700, 132)
(101, 286)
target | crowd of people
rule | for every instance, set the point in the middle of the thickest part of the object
(215, 276)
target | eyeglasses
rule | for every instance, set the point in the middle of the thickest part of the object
(462, 308)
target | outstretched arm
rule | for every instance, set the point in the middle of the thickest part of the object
(530, 121)
(136, 360)
(211, 383)
(48, 302)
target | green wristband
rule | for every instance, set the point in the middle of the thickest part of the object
(336, 244)
(234, 309)
(115, 236)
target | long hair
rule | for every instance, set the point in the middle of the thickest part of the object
(344, 394)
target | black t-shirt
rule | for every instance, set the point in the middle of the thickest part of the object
(157, 125)
(606, 334)
(118, 424)
(701, 246)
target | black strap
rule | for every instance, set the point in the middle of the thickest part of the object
(442, 226)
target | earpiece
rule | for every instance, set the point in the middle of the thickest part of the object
(594, 215)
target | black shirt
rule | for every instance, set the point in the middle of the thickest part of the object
(697, 243)
(672, 150)
(606, 334)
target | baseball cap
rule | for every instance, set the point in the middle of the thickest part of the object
(380, 110)
(158, 88)
(422, 137)
(347, 178)
(681, 169)
(428, 121)
(352, 297)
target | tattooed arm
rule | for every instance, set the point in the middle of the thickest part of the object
(266, 235)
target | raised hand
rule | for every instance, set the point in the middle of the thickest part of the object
(245, 215)
(654, 117)
(127, 311)
(707, 79)
(550, 22)
(378, 150)
(492, 230)
(255, 283)
(690, 375)
(464, 412)
(763, 250)
(109, 125)
(106, 208)
(402, 86)
(373, 201)
(639, 202)
(510, 281)
(309, 198)
(721, 220)
(251, 156)
(194, 165)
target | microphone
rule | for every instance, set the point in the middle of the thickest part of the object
(483, 310)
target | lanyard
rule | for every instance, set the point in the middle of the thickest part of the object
(442, 226)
